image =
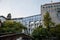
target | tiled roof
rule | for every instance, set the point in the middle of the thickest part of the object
(3, 17)
(16, 18)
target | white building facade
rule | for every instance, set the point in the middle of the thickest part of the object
(30, 22)
(2, 18)
(54, 11)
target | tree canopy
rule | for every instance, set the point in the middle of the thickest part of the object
(10, 26)
(47, 20)
(39, 32)
(9, 16)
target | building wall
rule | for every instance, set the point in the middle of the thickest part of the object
(54, 11)
(2, 19)
(30, 22)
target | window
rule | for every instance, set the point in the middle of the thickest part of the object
(58, 13)
(43, 7)
(49, 6)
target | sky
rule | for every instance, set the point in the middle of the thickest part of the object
(22, 8)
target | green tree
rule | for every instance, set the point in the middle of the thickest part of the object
(9, 16)
(10, 26)
(39, 32)
(57, 29)
(53, 31)
(45, 32)
(47, 21)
